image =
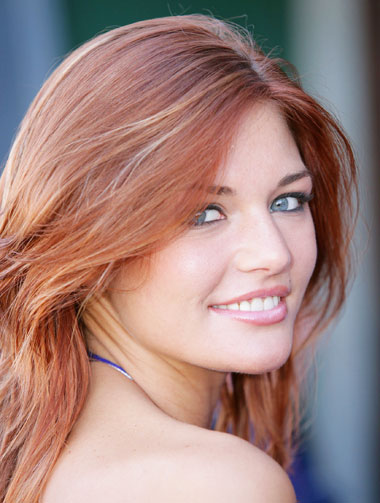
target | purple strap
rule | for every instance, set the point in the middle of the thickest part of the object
(94, 356)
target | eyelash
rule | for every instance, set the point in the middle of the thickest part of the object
(302, 198)
(209, 207)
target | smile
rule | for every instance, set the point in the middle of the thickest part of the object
(256, 304)
(256, 311)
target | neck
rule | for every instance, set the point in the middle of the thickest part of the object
(184, 392)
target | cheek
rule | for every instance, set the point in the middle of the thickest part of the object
(304, 252)
(187, 270)
(172, 301)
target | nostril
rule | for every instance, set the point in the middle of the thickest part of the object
(259, 258)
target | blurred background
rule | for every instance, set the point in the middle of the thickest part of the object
(335, 44)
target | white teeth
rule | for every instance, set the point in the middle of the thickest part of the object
(245, 305)
(268, 303)
(256, 304)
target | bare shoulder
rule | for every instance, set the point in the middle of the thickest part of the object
(207, 467)
(225, 468)
(143, 456)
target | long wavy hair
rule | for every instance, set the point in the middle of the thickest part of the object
(112, 160)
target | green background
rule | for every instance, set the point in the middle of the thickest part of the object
(265, 18)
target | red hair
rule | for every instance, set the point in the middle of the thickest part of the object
(112, 160)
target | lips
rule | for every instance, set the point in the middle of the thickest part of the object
(255, 304)
(260, 307)
(277, 291)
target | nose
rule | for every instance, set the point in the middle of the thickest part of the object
(262, 246)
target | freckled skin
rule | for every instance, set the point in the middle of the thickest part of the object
(249, 247)
(132, 434)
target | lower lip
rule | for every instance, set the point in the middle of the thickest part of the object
(269, 317)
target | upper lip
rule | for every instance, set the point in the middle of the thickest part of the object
(279, 291)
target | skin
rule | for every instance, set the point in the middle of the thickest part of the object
(179, 351)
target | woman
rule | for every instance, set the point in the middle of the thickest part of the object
(172, 237)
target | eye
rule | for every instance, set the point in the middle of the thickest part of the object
(290, 202)
(209, 215)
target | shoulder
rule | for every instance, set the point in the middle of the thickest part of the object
(225, 468)
(212, 466)
(206, 467)
(142, 455)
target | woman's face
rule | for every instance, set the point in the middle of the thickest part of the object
(226, 293)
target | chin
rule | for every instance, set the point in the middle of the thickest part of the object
(267, 366)
(277, 362)
(268, 358)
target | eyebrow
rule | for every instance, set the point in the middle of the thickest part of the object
(223, 190)
(288, 179)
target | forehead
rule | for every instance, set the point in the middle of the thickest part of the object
(262, 150)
